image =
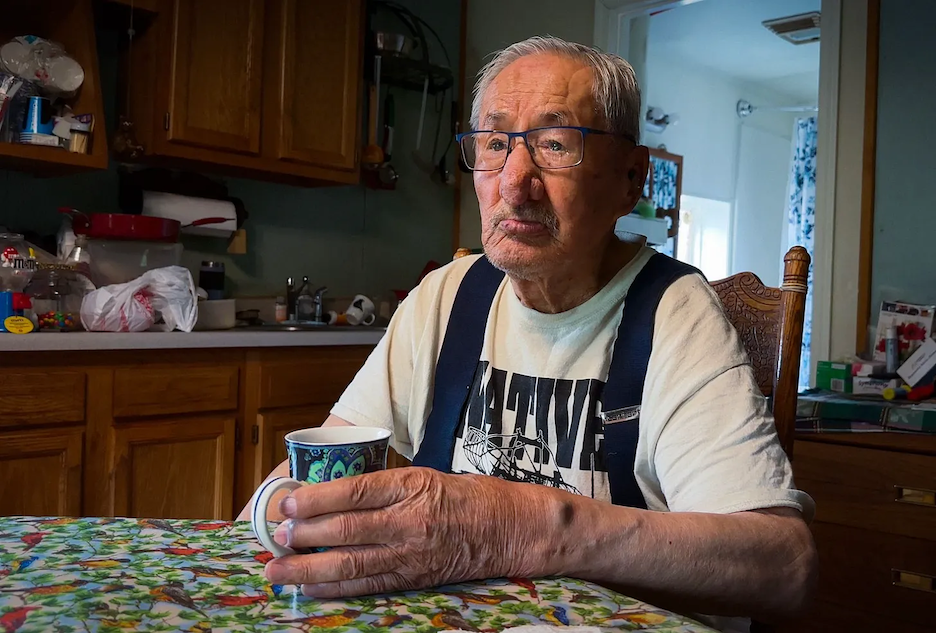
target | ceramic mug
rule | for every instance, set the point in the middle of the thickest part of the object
(361, 311)
(318, 455)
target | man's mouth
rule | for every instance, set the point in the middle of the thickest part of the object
(526, 228)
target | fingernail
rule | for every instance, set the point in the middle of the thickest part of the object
(275, 572)
(313, 591)
(281, 535)
(288, 506)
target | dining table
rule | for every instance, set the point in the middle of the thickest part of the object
(69, 574)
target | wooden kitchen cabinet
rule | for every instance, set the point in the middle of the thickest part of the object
(175, 468)
(160, 433)
(40, 472)
(267, 89)
(217, 74)
(875, 530)
(312, 108)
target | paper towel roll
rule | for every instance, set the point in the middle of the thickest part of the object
(187, 210)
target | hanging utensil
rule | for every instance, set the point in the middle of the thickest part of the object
(373, 155)
(388, 175)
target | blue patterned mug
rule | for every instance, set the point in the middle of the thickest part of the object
(318, 455)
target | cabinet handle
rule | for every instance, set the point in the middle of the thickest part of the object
(912, 580)
(915, 496)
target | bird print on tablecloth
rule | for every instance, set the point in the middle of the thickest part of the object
(213, 572)
(344, 618)
(159, 524)
(641, 619)
(104, 563)
(557, 615)
(49, 590)
(240, 601)
(450, 619)
(479, 598)
(33, 539)
(174, 592)
(13, 620)
(527, 584)
(174, 551)
(18, 566)
(392, 620)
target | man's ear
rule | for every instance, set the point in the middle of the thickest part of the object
(637, 169)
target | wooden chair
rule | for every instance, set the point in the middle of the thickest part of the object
(770, 324)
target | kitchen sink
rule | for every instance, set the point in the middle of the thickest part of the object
(311, 327)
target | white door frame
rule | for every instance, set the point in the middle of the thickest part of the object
(612, 33)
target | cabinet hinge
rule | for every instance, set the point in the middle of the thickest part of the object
(255, 434)
(237, 436)
(166, 121)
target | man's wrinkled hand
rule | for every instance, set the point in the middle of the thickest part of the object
(408, 528)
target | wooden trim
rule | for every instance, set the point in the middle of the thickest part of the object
(866, 243)
(462, 54)
(827, 165)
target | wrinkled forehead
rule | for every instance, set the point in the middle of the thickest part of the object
(537, 90)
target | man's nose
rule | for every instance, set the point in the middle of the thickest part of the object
(520, 179)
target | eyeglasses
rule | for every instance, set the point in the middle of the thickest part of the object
(558, 147)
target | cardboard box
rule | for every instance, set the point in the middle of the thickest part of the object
(834, 376)
(920, 368)
(914, 325)
(867, 386)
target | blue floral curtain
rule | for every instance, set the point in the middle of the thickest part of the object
(665, 173)
(802, 217)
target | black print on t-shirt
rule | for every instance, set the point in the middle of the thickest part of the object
(549, 413)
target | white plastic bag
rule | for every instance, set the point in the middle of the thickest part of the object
(137, 305)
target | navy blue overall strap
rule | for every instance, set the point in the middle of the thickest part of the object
(627, 373)
(458, 361)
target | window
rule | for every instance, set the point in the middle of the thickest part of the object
(704, 235)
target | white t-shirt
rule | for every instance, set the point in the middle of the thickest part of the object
(707, 442)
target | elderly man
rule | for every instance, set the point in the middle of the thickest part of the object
(584, 405)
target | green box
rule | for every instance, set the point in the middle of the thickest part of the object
(834, 376)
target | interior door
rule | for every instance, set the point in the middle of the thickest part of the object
(313, 106)
(216, 76)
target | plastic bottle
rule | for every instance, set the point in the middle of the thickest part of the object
(891, 349)
(281, 309)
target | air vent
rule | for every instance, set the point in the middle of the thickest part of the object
(796, 29)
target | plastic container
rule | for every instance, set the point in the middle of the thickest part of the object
(120, 261)
(17, 262)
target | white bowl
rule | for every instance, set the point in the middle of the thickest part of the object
(216, 315)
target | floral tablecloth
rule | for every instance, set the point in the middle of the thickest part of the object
(66, 574)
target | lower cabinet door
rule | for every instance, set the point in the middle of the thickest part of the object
(40, 472)
(175, 468)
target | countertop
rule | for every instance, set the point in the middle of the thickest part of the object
(108, 341)
(95, 574)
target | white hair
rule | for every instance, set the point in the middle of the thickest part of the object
(616, 94)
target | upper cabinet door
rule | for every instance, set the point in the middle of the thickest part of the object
(216, 76)
(314, 69)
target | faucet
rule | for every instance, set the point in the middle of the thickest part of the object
(317, 303)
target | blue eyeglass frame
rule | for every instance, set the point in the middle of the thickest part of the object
(512, 135)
